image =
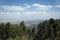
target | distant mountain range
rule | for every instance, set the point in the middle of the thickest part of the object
(33, 23)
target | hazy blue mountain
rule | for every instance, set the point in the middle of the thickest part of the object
(33, 23)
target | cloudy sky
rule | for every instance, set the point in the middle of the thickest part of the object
(11, 10)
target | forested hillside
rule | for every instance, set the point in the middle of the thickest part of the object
(46, 30)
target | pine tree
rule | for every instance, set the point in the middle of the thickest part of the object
(23, 27)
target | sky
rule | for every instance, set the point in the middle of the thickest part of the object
(15, 10)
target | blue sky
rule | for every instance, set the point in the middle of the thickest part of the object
(14, 10)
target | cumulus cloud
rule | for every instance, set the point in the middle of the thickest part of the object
(42, 7)
(41, 15)
(30, 15)
(1, 13)
(58, 6)
(28, 12)
(23, 14)
(27, 6)
(9, 14)
(15, 8)
(55, 15)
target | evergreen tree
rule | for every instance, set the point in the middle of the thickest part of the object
(23, 27)
(7, 30)
(4, 31)
(53, 26)
(33, 31)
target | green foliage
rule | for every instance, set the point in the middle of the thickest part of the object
(23, 27)
(4, 31)
(47, 30)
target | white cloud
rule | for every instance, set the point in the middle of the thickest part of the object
(1, 13)
(9, 14)
(18, 13)
(55, 15)
(30, 15)
(58, 6)
(28, 6)
(42, 7)
(15, 8)
(37, 5)
(41, 15)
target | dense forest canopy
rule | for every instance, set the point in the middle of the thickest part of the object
(46, 30)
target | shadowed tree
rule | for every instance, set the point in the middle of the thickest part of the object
(39, 35)
(33, 31)
(2, 31)
(5, 31)
(53, 28)
(23, 27)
